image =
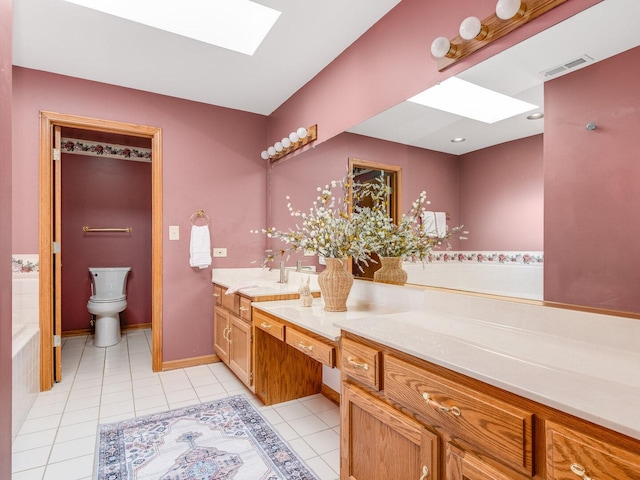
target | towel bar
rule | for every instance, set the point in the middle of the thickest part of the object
(121, 229)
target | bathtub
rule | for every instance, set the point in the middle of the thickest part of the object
(26, 372)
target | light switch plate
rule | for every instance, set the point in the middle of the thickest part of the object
(219, 252)
(174, 232)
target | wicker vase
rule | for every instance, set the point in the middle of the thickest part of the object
(390, 271)
(335, 284)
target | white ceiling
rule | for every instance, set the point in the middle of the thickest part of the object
(64, 38)
(606, 29)
(60, 37)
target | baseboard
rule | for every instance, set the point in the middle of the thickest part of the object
(89, 331)
(331, 394)
(190, 362)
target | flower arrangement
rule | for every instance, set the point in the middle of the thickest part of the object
(326, 230)
(409, 239)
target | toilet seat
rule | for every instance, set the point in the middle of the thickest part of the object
(97, 299)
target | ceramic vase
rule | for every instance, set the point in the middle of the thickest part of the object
(335, 284)
(390, 271)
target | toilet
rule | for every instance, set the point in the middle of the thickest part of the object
(108, 299)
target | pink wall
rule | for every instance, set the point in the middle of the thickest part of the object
(209, 162)
(502, 196)
(391, 62)
(105, 192)
(298, 176)
(6, 36)
(592, 193)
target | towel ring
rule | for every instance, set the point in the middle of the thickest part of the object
(199, 214)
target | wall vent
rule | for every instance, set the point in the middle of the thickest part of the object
(566, 67)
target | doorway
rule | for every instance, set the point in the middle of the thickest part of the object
(365, 171)
(50, 254)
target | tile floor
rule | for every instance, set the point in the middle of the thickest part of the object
(102, 385)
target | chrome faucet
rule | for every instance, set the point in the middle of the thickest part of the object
(283, 273)
(299, 266)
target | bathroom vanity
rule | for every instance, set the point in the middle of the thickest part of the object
(233, 321)
(463, 387)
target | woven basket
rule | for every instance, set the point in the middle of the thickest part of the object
(390, 271)
(335, 284)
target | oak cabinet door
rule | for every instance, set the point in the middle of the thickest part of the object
(380, 443)
(220, 333)
(464, 466)
(240, 349)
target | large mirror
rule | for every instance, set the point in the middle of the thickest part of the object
(540, 201)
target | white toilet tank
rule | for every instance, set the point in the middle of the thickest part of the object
(108, 284)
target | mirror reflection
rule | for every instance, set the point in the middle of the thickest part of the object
(517, 184)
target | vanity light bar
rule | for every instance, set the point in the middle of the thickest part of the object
(298, 139)
(475, 34)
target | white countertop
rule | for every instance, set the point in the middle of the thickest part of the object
(316, 319)
(600, 384)
(262, 282)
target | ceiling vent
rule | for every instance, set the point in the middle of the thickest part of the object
(566, 67)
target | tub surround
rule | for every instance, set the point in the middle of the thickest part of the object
(580, 363)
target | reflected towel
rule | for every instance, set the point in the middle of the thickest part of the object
(435, 223)
(200, 246)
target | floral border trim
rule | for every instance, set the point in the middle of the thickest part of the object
(522, 258)
(24, 265)
(84, 147)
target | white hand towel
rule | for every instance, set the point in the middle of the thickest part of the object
(200, 246)
(429, 222)
(435, 223)
(441, 224)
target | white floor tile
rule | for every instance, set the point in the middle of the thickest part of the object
(72, 449)
(323, 442)
(30, 441)
(74, 469)
(78, 430)
(308, 425)
(40, 424)
(33, 474)
(292, 410)
(79, 416)
(36, 457)
(322, 469)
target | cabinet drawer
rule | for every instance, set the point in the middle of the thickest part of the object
(491, 426)
(572, 455)
(270, 326)
(316, 349)
(360, 362)
(231, 302)
(217, 294)
(245, 309)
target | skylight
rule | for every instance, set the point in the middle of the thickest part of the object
(469, 100)
(239, 25)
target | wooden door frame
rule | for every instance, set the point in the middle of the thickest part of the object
(47, 121)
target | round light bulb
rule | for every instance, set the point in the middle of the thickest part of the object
(506, 9)
(271, 151)
(293, 136)
(440, 47)
(278, 146)
(302, 132)
(265, 155)
(470, 28)
(286, 143)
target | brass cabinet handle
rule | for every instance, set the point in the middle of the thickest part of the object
(425, 473)
(455, 411)
(305, 347)
(580, 471)
(266, 325)
(354, 364)
(226, 333)
(216, 295)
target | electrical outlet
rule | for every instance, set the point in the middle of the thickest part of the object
(174, 232)
(219, 252)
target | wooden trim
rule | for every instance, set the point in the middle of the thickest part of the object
(330, 393)
(47, 121)
(190, 362)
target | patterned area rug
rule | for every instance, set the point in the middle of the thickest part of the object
(220, 440)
